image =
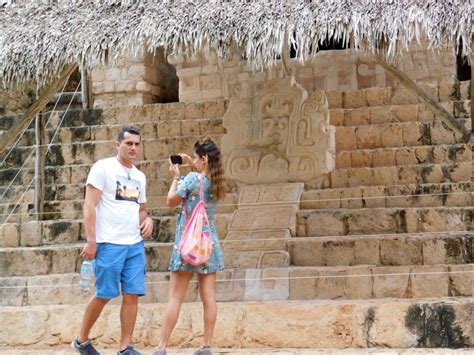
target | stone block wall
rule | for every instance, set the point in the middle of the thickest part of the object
(132, 80)
(205, 76)
(15, 100)
(147, 78)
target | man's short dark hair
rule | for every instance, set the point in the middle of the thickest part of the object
(129, 129)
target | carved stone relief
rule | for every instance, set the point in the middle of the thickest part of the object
(334, 70)
(280, 135)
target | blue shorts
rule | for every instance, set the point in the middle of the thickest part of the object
(120, 265)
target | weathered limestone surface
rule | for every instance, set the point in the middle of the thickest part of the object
(265, 351)
(271, 282)
(320, 324)
(391, 135)
(455, 248)
(373, 228)
(283, 129)
(205, 76)
(65, 258)
(9, 235)
(362, 221)
(454, 153)
(264, 220)
(130, 81)
(411, 195)
(15, 101)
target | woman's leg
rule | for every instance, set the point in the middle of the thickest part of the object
(207, 285)
(179, 282)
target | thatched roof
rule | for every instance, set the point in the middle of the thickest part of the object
(38, 39)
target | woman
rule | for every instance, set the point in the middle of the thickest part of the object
(207, 162)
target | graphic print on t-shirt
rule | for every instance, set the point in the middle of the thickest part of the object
(127, 190)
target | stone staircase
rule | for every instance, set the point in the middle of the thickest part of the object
(379, 254)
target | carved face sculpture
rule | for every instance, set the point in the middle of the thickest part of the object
(275, 115)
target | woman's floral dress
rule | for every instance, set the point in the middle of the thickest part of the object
(188, 188)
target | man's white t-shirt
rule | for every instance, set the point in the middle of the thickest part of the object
(117, 213)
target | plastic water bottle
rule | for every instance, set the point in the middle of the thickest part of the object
(87, 270)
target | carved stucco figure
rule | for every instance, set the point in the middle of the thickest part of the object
(280, 135)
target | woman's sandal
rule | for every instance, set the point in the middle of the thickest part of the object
(203, 350)
(160, 352)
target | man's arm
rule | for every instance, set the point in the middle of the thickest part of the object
(90, 202)
(146, 223)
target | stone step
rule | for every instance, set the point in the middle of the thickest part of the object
(152, 129)
(111, 350)
(72, 209)
(199, 118)
(58, 192)
(84, 146)
(25, 232)
(395, 116)
(365, 221)
(386, 135)
(65, 101)
(440, 154)
(76, 159)
(70, 179)
(412, 195)
(370, 115)
(399, 95)
(59, 255)
(175, 111)
(86, 153)
(156, 206)
(383, 250)
(65, 196)
(65, 258)
(76, 174)
(401, 175)
(32, 233)
(8, 121)
(336, 324)
(269, 284)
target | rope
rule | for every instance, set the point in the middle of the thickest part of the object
(21, 135)
(33, 179)
(62, 119)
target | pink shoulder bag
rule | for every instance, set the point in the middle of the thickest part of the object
(195, 245)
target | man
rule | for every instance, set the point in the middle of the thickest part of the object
(115, 221)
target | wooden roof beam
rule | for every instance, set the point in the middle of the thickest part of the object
(446, 116)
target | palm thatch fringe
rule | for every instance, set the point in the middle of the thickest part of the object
(39, 38)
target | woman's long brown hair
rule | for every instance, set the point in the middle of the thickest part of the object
(214, 161)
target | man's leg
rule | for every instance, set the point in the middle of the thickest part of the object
(133, 286)
(108, 265)
(93, 310)
(128, 317)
